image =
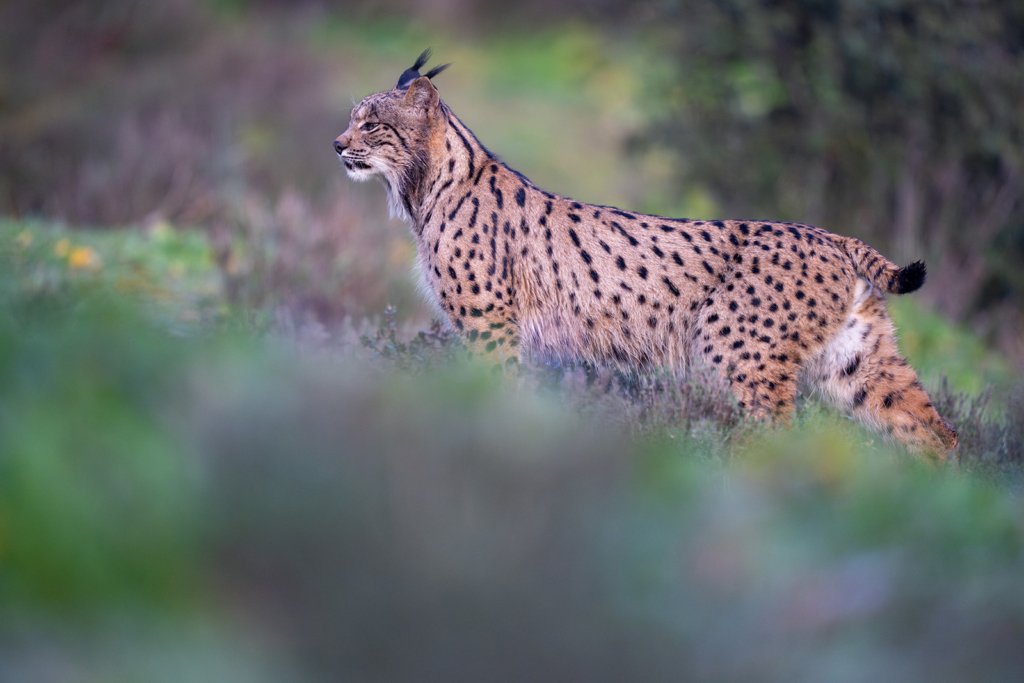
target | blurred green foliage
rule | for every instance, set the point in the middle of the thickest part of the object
(96, 503)
(173, 270)
(935, 347)
(178, 500)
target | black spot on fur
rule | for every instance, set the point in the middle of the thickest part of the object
(496, 191)
(616, 226)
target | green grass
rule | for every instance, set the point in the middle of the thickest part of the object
(935, 347)
(96, 503)
(161, 467)
(171, 270)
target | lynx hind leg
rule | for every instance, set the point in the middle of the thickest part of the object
(861, 371)
(734, 340)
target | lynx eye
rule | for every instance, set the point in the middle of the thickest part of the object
(368, 127)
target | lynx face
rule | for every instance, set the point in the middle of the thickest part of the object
(386, 137)
(363, 147)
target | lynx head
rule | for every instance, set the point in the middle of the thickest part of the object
(389, 134)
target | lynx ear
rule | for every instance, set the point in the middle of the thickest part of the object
(423, 95)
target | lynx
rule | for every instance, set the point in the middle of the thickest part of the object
(525, 273)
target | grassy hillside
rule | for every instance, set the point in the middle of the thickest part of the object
(189, 490)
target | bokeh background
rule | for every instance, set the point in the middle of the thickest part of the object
(232, 447)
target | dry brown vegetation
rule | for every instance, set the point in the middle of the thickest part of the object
(136, 115)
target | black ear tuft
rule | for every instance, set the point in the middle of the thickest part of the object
(410, 75)
(910, 278)
(437, 69)
(421, 60)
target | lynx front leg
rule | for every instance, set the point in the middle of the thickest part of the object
(495, 342)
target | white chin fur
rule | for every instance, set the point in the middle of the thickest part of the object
(390, 180)
(360, 174)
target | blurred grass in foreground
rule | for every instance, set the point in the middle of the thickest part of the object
(181, 499)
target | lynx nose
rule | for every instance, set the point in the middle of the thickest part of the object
(338, 147)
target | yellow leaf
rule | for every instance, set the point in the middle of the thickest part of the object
(82, 258)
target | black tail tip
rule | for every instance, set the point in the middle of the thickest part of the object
(910, 278)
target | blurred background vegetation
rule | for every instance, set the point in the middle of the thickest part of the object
(218, 462)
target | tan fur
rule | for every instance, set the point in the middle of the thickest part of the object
(515, 267)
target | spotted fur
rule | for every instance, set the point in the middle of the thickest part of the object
(524, 272)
